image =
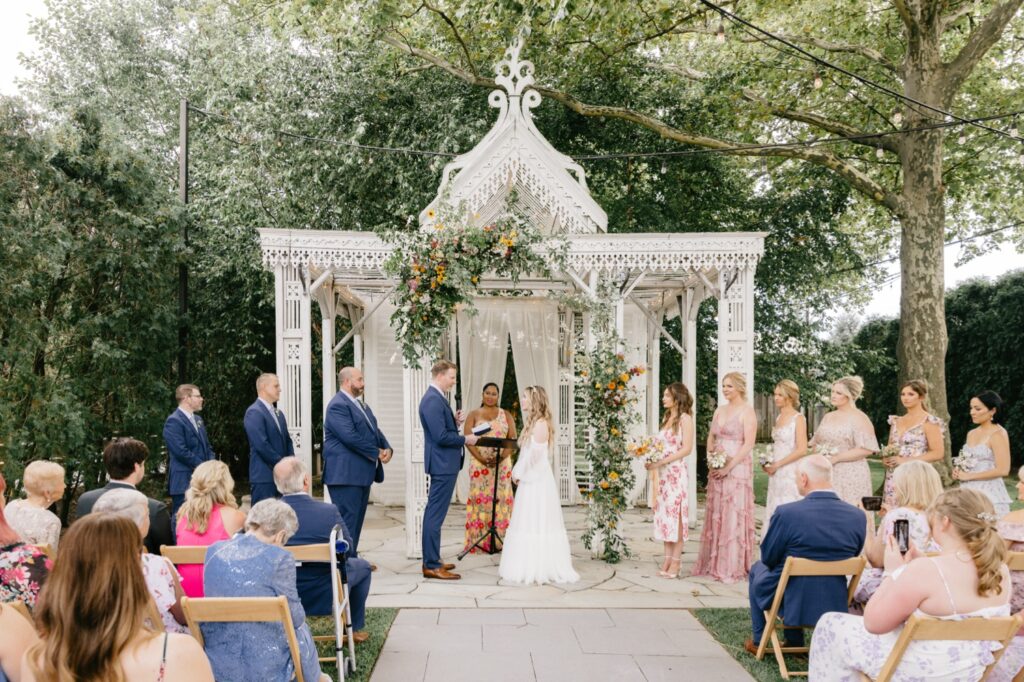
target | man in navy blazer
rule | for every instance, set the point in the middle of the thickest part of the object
(187, 443)
(269, 440)
(820, 527)
(316, 521)
(355, 451)
(442, 459)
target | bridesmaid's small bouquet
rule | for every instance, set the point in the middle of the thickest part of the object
(886, 452)
(717, 458)
(648, 448)
(825, 450)
(765, 458)
(965, 461)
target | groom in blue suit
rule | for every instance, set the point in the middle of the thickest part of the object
(355, 451)
(442, 458)
(188, 444)
(269, 440)
(820, 527)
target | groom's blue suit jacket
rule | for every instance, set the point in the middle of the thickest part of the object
(442, 442)
(820, 527)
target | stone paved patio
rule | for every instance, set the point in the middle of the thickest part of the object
(519, 644)
(632, 583)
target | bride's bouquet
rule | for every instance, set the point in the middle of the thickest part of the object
(717, 458)
(965, 461)
(649, 448)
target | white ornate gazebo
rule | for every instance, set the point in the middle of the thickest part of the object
(659, 276)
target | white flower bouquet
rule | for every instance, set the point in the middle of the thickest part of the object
(965, 461)
(717, 458)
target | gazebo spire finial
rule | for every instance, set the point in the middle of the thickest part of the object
(515, 76)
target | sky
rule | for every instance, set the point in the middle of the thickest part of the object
(14, 38)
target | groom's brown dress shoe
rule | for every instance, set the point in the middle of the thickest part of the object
(440, 574)
(449, 567)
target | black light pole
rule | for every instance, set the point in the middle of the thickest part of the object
(183, 268)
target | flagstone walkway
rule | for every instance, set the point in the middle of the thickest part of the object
(520, 644)
(632, 583)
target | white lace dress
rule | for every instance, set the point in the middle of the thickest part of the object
(536, 548)
(781, 486)
(841, 648)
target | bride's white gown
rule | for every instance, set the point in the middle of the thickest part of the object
(536, 548)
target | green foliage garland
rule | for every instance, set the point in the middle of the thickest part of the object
(604, 378)
(439, 269)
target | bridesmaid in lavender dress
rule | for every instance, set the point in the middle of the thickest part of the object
(917, 434)
(990, 445)
(727, 539)
(845, 436)
(789, 444)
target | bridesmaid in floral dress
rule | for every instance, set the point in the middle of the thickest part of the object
(670, 519)
(727, 539)
(917, 434)
(845, 436)
(990, 445)
(482, 470)
(789, 444)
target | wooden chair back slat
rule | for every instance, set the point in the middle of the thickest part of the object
(1015, 561)
(184, 554)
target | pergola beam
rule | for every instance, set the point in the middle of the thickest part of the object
(358, 324)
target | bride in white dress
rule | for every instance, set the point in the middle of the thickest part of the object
(536, 548)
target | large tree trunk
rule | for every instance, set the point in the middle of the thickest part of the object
(921, 349)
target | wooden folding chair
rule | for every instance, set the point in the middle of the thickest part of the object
(243, 610)
(923, 628)
(800, 568)
(185, 554)
(330, 552)
(1015, 561)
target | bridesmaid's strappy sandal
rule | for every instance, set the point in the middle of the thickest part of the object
(664, 565)
(670, 573)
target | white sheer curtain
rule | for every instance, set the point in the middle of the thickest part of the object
(533, 328)
(483, 352)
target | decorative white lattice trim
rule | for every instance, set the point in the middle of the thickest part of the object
(514, 155)
(364, 253)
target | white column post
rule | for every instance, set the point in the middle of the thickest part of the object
(328, 362)
(736, 325)
(689, 304)
(415, 383)
(294, 357)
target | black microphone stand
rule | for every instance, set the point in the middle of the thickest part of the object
(500, 444)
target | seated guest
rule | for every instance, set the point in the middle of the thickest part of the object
(19, 635)
(23, 567)
(31, 517)
(820, 527)
(125, 461)
(91, 617)
(158, 571)
(916, 485)
(316, 521)
(210, 514)
(254, 564)
(968, 579)
(1011, 529)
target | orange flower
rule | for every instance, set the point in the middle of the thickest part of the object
(611, 385)
(603, 485)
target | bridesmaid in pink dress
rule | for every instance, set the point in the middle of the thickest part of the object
(210, 514)
(917, 434)
(727, 539)
(670, 522)
(846, 437)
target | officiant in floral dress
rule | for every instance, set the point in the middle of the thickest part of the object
(484, 466)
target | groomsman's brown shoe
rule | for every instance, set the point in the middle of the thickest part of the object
(360, 636)
(440, 574)
(449, 567)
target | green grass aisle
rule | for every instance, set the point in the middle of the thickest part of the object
(378, 623)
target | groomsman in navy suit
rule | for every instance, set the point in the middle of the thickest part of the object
(820, 527)
(187, 444)
(316, 521)
(269, 440)
(355, 451)
(442, 459)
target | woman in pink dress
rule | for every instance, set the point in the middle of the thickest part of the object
(917, 434)
(210, 514)
(846, 437)
(727, 539)
(670, 522)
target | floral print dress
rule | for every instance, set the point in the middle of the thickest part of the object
(481, 491)
(23, 570)
(670, 510)
(912, 443)
(1012, 660)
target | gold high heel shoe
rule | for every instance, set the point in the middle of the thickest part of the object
(670, 573)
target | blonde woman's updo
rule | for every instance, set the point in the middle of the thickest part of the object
(790, 391)
(851, 387)
(972, 516)
(739, 382)
(211, 485)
